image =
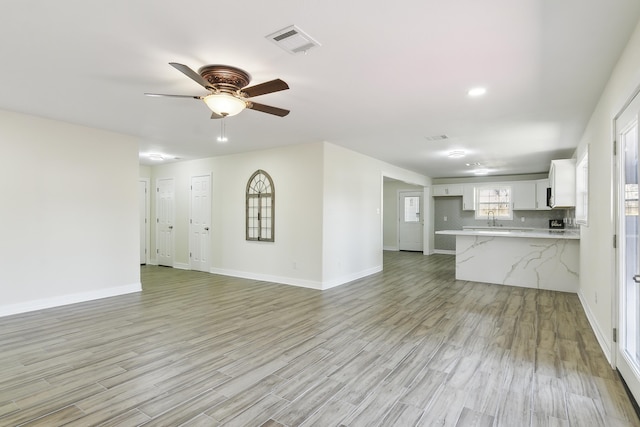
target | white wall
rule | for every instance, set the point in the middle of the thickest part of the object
(69, 213)
(352, 216)
(328, 223)
(295, 257)
(597, 256)
(352, 224)
(145, 171)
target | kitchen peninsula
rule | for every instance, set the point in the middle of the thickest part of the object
(533, 258)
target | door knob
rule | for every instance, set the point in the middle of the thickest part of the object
(206, 229)
(636, 278)
(171, 227)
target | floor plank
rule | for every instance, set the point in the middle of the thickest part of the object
(407, 346)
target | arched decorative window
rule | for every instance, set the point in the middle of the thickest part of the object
(260, 207)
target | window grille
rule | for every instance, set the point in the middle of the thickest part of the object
(260, 207)
(494, 203)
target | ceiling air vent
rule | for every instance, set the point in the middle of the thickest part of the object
(436, 137)
(293, 40)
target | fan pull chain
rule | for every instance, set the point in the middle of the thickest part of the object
(223, 130)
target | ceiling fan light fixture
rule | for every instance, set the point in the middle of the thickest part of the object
(224, 104)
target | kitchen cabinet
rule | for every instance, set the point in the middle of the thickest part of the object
(541, 195)
(524, 195)
(562, 180)
(582, 187)
(447, 190)
(468, 197)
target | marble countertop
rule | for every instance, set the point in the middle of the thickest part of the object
(532, 233)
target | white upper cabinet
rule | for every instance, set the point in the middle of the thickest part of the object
(562, 180)
(524, 195)
(469, 197)
(447, 190)
(541, 195)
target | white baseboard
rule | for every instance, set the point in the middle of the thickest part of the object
(390, 248)
(40, 304)
(444, 252)
(268, 278)
(303, 283)
(351, 277)
(181, 266)
(600, 336)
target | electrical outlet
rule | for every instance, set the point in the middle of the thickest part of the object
(445, 219)
(522, 219)
(596, 298)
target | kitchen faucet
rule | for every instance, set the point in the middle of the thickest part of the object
(491, 221)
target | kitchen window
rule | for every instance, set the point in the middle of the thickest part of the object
(494, 203)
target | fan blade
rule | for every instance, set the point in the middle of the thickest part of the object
(216, 116)
(266, 87)
(192, 75)
(172, 96)
(267, 109)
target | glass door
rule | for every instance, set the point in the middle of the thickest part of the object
(628, 360)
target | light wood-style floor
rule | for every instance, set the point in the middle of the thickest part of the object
(408, 346)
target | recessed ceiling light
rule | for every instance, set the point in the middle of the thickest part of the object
(473, 164)
(155, 157)
(477, 91)
(456, 154)
(481, 172)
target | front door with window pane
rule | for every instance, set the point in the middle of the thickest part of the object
(628, 357)
(411, 224)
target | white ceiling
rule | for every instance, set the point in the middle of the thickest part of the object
(388, 74)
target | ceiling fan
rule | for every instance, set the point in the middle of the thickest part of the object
(228, 92)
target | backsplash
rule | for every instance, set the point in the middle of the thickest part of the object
(451, 208)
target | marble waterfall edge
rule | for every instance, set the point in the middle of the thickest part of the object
(528, 262)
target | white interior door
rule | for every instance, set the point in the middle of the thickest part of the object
(200, 223)
(142, 213)
(164, 221)
(410, 221)
(628, 346)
